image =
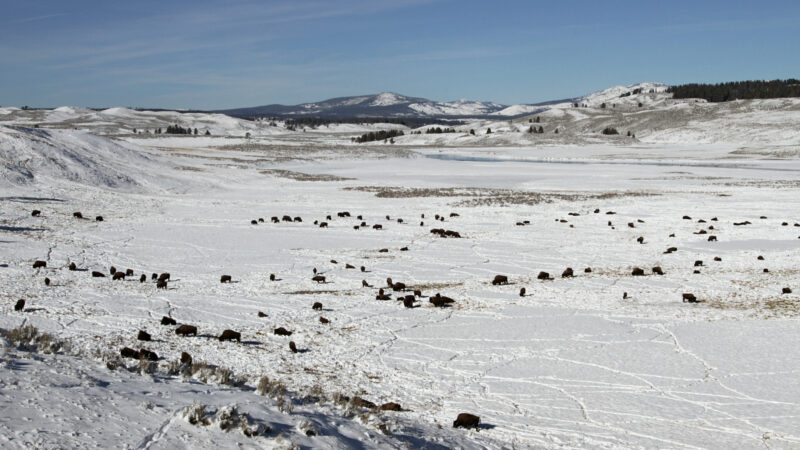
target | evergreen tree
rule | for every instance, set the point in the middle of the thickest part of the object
(488, 131)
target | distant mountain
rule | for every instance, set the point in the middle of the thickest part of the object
(387, 104)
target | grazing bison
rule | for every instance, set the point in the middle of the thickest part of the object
(701, 221)
(318, 278)
(746, 222)
(323, 320)
(328, 217)
(377, 226)
(142, 278)
(382, 296)
(230, 335)
(225, 279)
(657, 270)
(168, 321)
(292, 347)
(118, 275)
(500, 279)
(717, 258)
(272, 277)
(391, 406)
(364, 283)
(254, 222)
(467, 420)
(687, 218)
(98, 219)
(568, 273)
(440, 301)
(362, 403)
(72, 266)
(274, 219)
(298, 219)
(399, 220)
(698, 263)
(127, 352)
(112, 270)
(46, 281)
(637, 272)
(323, 224)
(760, 258)
(712, 238)
(97, 274)
(154, 277)
(39, 263)
(765, 270)
(261, 314)
(408, 301)
(363, 269)
(522, 292)
(417, 293)
(356, 227)
(701, 232)
(597, 211)
(282, 332)
(786, 290)
(143, 336)
(624, 295)
(587, 270)
(671, 250)
(640, 239)
(260, 220)
(147, 355)
(398, 286)
(631, 225)
(35, 213)
(164, 277)
(161, 284)
(696, 272)
(317, 306)
(77, 215)
(286, 219)
(383, 250)
(349, 266)
(543, 276)
(186, 330)
(690, 298)
(186, 358)
(20, 305)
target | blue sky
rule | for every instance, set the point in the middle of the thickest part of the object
(219, 54)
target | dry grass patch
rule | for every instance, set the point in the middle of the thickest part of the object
(300, 176)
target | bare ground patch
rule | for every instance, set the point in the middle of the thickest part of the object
(475, 196)
(300, 176)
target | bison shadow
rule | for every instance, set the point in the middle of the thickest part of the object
(31, 199)
(19, 229)
(3, 265)
(33, 309)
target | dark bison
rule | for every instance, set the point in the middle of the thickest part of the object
(275, 219)
(112, 270)
(362, 403)
(261, 314)
(382, 296)
(587, 270)
(467, 420)
(186, 330)
(286, 219)
(46, 281)
(717, 258)
(363, 269)
(35, 213)
(398, 286)
(657, 270)
(143, 336)
(168, 321)
(19, 305)
(298, 219)
(671, 250)
(760, 258)
(186, 358)
(440, 301)
(272, 277)
(97, 274)
(260, 220)
(142, 278)
(317, 306)
(230, 335)
(637, 272)
(323, 224)
(118, 275)
(98, 218)
(292, 347)
(567, 273)
(786, 290)
(631, 225)
(164, 276)
(154, 277)
(147, 355)
(254, 222)
(543, 276)
(712, 238)
(698, 263)
(522, 292)
(687, 218)
(72, 266)
(349, 266)
(161, 284)
(408, 301)
(318, 278)
(225, 279)
(383, 250)
(77, 215)
(391, 406)
(323, 320)
(640, 239)
(690, 298)
(500, 279)
(377, 226)
(127, 352)
(39, 263)
(364, 283)
(282, 332)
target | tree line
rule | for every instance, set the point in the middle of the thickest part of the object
(378, 136)
(736, 90)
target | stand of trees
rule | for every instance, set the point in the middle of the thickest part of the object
(313, 122)
(735, 90)
(378, 136)
(176, 129)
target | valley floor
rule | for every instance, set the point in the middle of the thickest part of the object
(602, 359)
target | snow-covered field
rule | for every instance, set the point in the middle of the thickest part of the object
(601, 359)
